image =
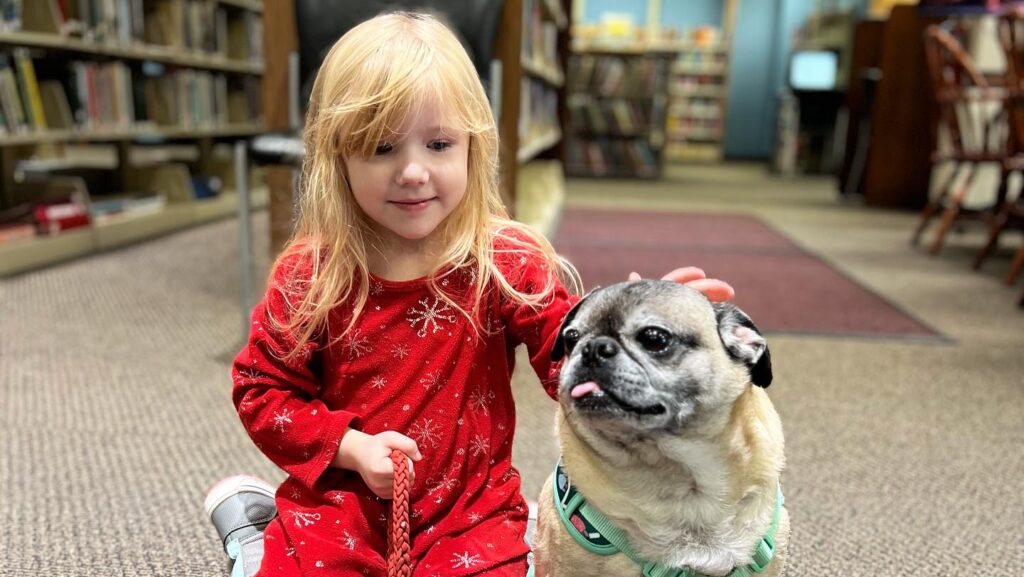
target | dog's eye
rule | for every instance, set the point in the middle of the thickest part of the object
(654, 339)
(571, 337)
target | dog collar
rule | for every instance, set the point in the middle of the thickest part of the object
(595, 533)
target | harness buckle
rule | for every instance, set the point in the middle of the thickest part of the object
(763, 554)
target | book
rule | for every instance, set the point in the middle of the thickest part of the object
(57, 217)
(56, 108)
(16, 231)
(30, 89)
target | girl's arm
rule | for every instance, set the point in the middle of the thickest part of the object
(278, 401)
(537, 327)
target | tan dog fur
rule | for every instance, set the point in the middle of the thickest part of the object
(703, 498)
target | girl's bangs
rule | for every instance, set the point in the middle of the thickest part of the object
(383, 111)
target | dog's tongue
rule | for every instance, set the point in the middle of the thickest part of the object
(584, 389)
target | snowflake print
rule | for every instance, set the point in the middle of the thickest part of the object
(480, 400)
(465, 560)
(357, 345)
(376, 289)
(349, 541)
(338, 498)
(400, 351)
(378, 382)
(247, 376)
(426, 432)
(295, 494)
(282, 419)
(304, 519)
(431, 380)
(430, 315)
(447, 483)
(475, 518)
(479, 445)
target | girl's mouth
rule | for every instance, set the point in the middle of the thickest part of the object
(413, 205)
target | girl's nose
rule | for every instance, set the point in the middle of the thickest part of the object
(413, 174)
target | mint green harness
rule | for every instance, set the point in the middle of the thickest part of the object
(595, 533)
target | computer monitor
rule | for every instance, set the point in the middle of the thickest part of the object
(813, 70)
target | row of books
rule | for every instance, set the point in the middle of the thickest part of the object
(190, 25)
(83, 186)
(616, 76)
(696, 85)
(682, 129)
(619, 117)
(538, 108)
(53, 217)
(605, 157)
(540, 35)
(53, 94)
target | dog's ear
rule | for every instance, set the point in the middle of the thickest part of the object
(558, 350)
(744, 342)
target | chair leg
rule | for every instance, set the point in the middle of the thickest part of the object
(933, 206)
(1020, 302)
(1016, 267)
(998, 224)
(951, 212)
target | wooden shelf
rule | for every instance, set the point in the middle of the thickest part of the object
(140, 52)
(531, 148)
(556, 12)
(544, 71)
(532, 44)
(126, 134)
(254, 5)
(23, 255)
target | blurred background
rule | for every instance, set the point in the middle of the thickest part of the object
(851, 167)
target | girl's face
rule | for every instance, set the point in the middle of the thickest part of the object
(414, 180)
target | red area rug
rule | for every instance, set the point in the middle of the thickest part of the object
(782, 287)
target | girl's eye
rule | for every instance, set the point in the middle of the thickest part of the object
(439, 145)
(383, 149)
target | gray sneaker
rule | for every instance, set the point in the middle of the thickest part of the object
(240, 508)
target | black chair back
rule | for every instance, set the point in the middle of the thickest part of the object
(321, 22)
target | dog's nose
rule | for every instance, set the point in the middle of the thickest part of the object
(599, 350)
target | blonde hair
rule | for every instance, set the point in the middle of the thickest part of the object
(370, 81)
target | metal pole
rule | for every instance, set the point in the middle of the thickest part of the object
(244, 231)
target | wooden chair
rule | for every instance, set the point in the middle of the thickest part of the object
(1015, 270)
(1011, 213)
(976, 134)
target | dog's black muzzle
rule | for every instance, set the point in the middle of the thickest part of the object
(598, 351)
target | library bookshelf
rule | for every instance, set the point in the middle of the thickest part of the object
(699, 91)
(116, 118)
(617, 103)
(532, 46)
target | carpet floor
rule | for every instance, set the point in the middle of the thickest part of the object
(782, 286)
(903, 457)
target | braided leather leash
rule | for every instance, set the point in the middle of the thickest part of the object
(399, 564)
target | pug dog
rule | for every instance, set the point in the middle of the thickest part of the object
(665, 429)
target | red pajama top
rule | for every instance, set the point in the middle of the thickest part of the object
(411, 364)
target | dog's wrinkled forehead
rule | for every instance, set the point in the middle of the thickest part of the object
(607, 309)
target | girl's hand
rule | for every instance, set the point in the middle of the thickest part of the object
(694, 277)
(370, 456)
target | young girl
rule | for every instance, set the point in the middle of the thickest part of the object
(391, 319)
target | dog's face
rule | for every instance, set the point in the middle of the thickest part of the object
(652, 356)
